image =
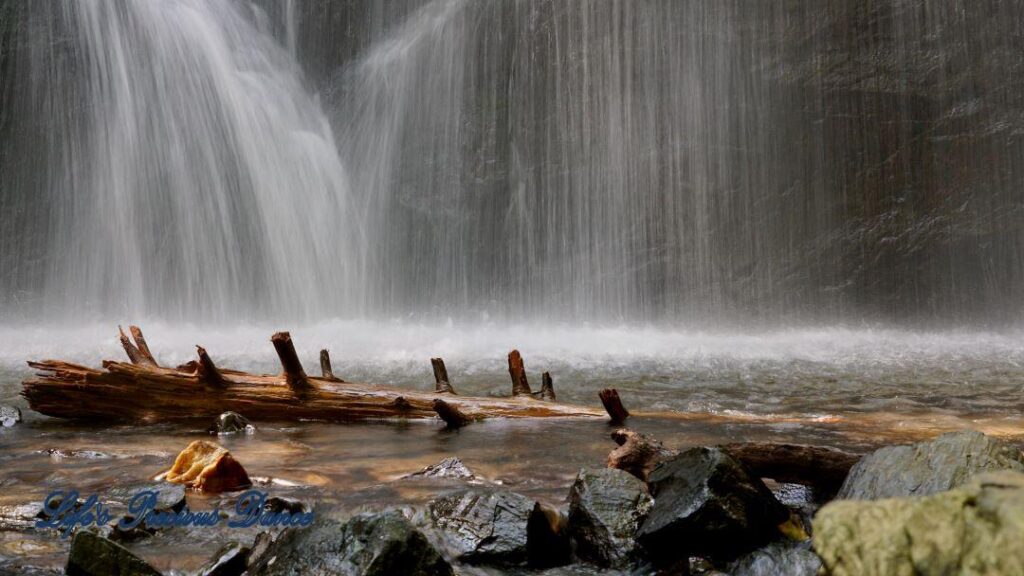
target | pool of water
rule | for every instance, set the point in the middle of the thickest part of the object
(849, 388)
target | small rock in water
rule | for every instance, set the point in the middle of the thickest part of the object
(448, 468)
(930, 467)
(169, 497)
(777, 558)
(232, 423)
(706, 504)
(208, 467)
(9, 416)
(94, 555)
(975, 529)
(230, 560)
(277, 504)
(605, 508)
(372, 544)
(484, 527)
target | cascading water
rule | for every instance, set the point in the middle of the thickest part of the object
(182, 168)
(670, 161)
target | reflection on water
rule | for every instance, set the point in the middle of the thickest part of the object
(848, 388)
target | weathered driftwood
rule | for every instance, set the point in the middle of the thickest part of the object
(821, 467)
(547, 387)
(143, 391)
(325, 367)
(441, 381)
(613, 405)
(520, 385)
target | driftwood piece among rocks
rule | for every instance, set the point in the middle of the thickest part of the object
(140, 391)
(821, 467)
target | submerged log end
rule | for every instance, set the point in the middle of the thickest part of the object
(206, 370)
(547, 387)
(442, 383)
(637, 453)
(451, 415)
(520, 385)
(613, 405)
(293, 371)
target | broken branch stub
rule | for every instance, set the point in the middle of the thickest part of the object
(547, 387)
(293, 371)
(613, 405)
(451, 415)
(207, 370)
(520, 385)
(325, 366)
(442, 383)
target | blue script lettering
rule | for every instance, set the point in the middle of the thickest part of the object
(250, 512)
(63, 512)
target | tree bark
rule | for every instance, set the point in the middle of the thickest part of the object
(293, 371)
(451, 415)
(207, 371)
(613, 405)
(325, 367)
(547, 387)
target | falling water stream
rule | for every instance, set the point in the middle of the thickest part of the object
(793, 220)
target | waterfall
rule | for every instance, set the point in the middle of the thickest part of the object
(667, 161)
(186, 171)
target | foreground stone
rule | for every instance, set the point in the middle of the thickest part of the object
(778, 558)
(605, 509)
(449, 468)
(976, 529)
(94, 555)
(484, 527)
(373, 544)
(232, 423)
(9, 416)
(208, 467)
(230, 560)
(706, 504)
(930, 467)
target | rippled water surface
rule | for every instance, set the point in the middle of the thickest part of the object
(851, 388)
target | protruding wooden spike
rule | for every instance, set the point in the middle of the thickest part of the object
(140, 343)
(442, 383)
(547, 387)
(293, 371)
(520, 386)
(612, 403)
(133, 353)
(325, 366)
(451, 415)
(207, 370)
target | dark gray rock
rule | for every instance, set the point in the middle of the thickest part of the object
(706, 504)
(944, 463)
(452, 468)
(230, 560)
(484, 527)
(547, 537)
(784, 557)
(232, 423)
(373, 544)
(169, 497)
(9, 416)
(278, 504)
(606, 507)
(94, 555)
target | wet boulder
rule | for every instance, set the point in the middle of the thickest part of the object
(707, 504)
(547, 537)
(930, 467)
(208, 467)
(9, 416)
(975, 529)
(484, 527)
(94, 555)
(232, 423)
(606, 507)
(230, 560)
(372, 544)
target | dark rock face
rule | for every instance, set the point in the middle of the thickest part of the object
(373, 544)
(926, 468)
(230, 560)
(94, 555)
(706, 504)
(778, 558)
(547, 538)
(605, 509)
(482, 527)
(232, 423)
(9, 416)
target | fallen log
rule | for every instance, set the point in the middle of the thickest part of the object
(143, 392)
(821, 467)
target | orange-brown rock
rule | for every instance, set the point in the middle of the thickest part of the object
(208, 467)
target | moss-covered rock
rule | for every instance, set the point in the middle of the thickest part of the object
(976, 529)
